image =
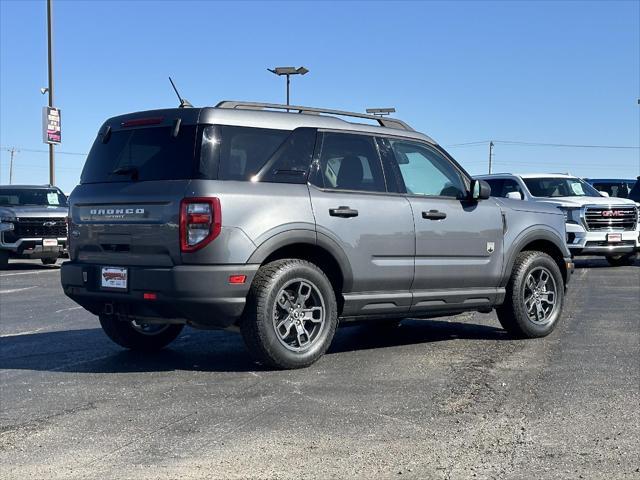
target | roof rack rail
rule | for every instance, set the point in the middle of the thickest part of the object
(383, 122)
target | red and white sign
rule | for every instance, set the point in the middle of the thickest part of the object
(51, 131)
(114, 277)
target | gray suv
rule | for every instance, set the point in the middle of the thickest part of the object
(283, 221)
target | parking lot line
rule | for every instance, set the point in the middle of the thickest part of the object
(29, 273)
(13, 290)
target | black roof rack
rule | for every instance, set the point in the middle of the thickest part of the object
(383, 122)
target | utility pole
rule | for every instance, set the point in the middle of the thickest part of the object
(52, 175)
(12, 152)
(490, 155)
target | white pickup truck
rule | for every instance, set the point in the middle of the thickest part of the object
(596, 224)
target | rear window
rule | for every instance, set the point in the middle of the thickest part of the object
(142, 154)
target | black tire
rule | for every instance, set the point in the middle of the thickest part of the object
(4, 259)
(125, 334)
(49, 260)
(514, 315)
(264, 312)
(622, 260)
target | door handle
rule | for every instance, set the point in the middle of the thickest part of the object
(434, 215)
(342, 211)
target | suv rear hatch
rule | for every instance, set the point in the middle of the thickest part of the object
(126, 210)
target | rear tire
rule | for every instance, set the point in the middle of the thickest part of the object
(139, 336)
(4, 259)
(534, 297)
(291, 314)
(49, 260)
(622, 260)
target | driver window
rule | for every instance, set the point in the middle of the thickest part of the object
(427, 172)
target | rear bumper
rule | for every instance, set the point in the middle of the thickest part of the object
(198, 295)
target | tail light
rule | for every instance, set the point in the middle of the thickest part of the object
(200, 222)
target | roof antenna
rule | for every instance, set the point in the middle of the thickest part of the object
(183, 102)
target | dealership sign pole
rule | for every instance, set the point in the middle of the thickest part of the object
(51, 116)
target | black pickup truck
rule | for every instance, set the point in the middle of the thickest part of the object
(33, 223)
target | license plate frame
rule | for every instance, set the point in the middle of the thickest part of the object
(115, 279)
(614, 237)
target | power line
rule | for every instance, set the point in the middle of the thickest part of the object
(541, 144)
(33, 150)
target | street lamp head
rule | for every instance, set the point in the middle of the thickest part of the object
(288, 70)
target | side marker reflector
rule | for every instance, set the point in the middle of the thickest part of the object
(237, 279)
(149, 296)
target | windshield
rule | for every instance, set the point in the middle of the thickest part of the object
(560, 187)
(43, 197)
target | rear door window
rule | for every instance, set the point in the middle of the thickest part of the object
(350, 162)
(142, 154)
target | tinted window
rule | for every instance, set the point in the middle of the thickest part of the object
(243, 151)
(32, 196)
(496, 186)
(290, 163)
(501, 187)
(634, 194)
(142, 154)
(426, 171)
(350, 162)
(614, 189)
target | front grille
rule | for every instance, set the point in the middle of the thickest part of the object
(624, 243)
(32, 227)
(611, 218)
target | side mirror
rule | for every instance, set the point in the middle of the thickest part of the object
(604, 194)
(514, 195)
(480, 190)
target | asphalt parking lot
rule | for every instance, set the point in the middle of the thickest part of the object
(446, 398)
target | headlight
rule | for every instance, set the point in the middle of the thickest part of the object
(569, 214)
(7, 219)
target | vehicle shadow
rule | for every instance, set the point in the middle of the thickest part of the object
(598, 262)
(90, 351)
(24, 265)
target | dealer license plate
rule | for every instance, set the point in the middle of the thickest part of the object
(114, 278)
(614, 237)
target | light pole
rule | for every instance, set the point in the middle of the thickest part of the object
(288, 71)
(52, 175)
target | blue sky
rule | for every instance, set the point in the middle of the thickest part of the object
(545, 72)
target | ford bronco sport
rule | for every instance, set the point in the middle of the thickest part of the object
(284, 220)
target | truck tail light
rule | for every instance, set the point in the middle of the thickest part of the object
(200, 222)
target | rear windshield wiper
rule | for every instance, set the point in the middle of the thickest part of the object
(128, 170)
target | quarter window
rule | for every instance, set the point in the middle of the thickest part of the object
(427, 172)
(350, 162)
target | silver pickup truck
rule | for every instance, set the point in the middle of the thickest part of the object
(33, 223)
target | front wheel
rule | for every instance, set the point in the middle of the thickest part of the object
(622, 260)
(291, 314)
(534, 298)
(134, 335)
